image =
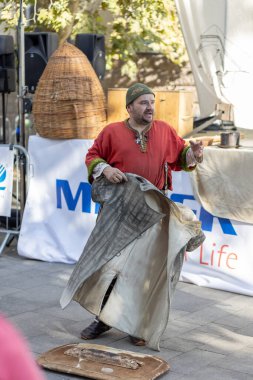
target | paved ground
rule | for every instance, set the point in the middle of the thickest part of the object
(210, 334)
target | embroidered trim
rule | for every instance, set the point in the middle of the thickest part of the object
(166, 171)
(183, 160)
(141, 138)
(92, 166)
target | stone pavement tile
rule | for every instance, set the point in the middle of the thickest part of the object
(12, 304)
(7, 264)
(34, 324)
(201, 333)
(73, 312)
(171, 375)
(179, 344)
(214, 373)
(192, 361)
(238, 301)
(207, 293)
(48, 267)
(239, 319)
(247, 331)
(184, 301)
(182, 285)
(8, 268)
(223, 345)
(28, 324)
(26, 279)
(177, 328)
(178, 314)
(45, 294)
(59, 278)
(43, 343)
(205, 315)
(52, 375)
(229, 306)
(14, 262)
(219, 338)
(4, 290)
(240, 361)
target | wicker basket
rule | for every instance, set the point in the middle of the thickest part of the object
(69, 102)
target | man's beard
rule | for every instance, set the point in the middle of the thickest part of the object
(142, 121)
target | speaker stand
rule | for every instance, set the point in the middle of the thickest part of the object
(21, 95)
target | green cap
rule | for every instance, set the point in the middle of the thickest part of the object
(135, 91)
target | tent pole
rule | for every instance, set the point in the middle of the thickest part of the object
(21, 95)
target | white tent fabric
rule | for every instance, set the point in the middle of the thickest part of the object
(219, 41)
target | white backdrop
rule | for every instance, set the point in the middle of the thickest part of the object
(52, 229)
(225, 260)
(59, 216)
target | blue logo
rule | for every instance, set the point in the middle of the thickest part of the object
(205, 217)
(63, 191)
(83, 192)
(3, 175)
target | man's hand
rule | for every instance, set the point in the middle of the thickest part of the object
(197, 149)
(114, 175)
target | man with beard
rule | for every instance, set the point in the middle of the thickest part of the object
(142, 146)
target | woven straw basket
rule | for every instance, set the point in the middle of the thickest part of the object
(69, 102)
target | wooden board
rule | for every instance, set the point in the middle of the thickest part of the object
(103, 363)
(174, 107)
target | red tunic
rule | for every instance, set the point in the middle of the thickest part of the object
(116, 144)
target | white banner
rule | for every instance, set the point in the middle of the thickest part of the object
(225, 260)
(59, 214)
(59, 217)
(6, 180)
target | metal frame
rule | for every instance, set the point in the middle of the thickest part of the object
(21, 157)
(21, 182)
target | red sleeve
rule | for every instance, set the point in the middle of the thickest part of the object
(178, 146)
(96, 151)
(99, 152)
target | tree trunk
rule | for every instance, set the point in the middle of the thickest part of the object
(66, 32)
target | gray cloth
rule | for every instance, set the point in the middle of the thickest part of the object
(140, 238)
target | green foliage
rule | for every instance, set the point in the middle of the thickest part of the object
(143, 26)
(130, 26)
(56, 17)
(9, 14)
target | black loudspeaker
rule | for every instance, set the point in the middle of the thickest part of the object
(39, 46)
(7, 65)
(7, 80)
(93, 46)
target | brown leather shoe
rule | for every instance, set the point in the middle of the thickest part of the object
(95, 329)
(137, 341)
